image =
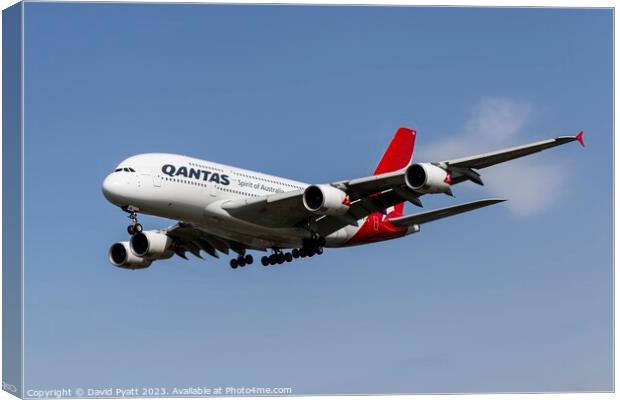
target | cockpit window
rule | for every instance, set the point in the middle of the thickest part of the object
(118, 169)
(125, 169)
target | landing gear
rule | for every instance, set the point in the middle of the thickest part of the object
(133, 229)
(241, 261)
(278, 257)
(135, 226)
(312, 247)
(308, 249)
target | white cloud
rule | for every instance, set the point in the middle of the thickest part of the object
(529, 184)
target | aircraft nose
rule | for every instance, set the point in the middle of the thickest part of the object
(112, 188)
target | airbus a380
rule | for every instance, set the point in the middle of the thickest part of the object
(224, 209)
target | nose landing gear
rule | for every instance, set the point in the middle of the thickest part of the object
(135, 226)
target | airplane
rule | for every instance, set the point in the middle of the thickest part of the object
(220, 208)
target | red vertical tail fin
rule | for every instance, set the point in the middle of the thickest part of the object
(397, 156)
(399, 152)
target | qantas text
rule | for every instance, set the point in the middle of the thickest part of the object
(195, 173)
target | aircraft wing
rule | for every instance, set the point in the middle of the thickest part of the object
(280, 210)
(190, 238)
(374, 193)
(496, 157)
(462, 169)
(286, 210)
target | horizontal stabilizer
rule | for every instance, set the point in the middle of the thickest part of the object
(429, 216)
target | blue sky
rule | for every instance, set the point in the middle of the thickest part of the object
(515, 297)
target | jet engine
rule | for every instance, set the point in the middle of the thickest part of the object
(153, 245)
(121, 256)
(325, 199)
(428, 178)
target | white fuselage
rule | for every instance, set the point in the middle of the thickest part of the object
(192, 190)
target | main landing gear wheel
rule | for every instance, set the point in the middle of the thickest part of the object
(278, 257)
(241, 261)
(308, 249)
(312, 247)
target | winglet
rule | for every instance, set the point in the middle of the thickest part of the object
(579, 138)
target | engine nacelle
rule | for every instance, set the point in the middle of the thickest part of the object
(153, 245)
(428, 178)
(325, 199)
(120, 255)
